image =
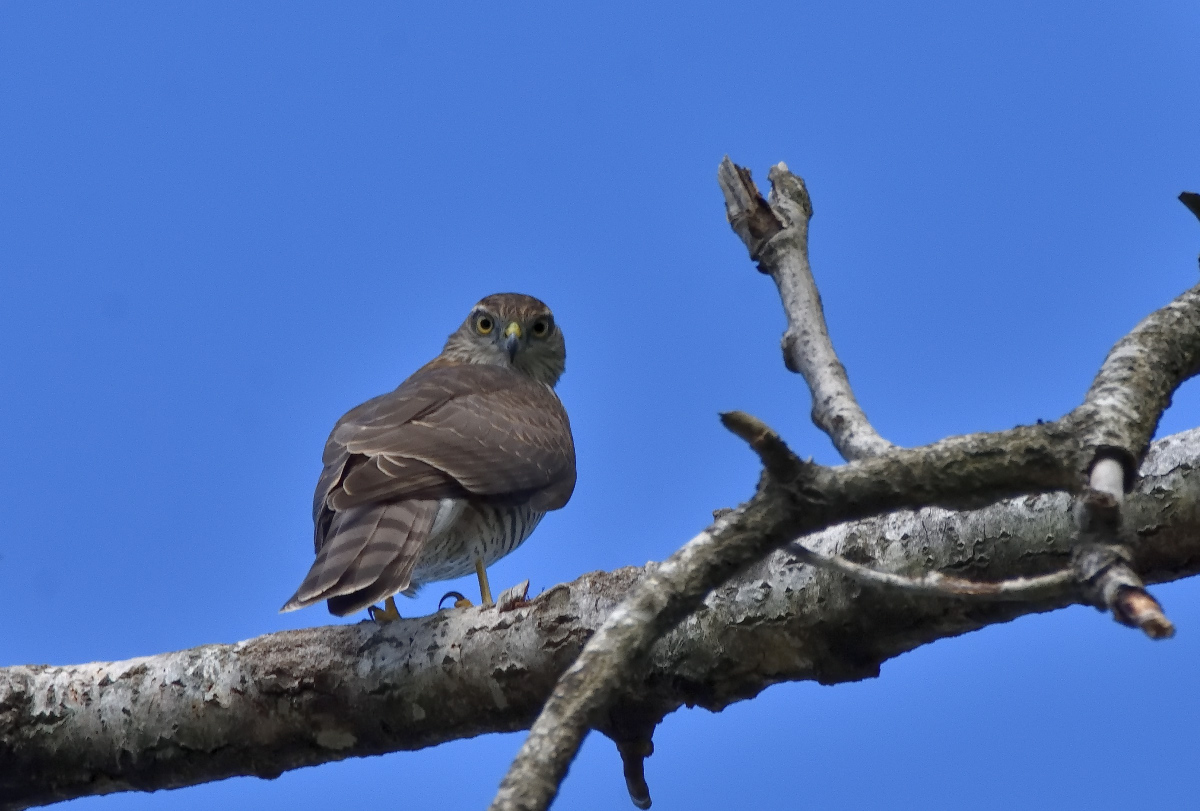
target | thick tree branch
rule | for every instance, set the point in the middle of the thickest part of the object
(1115, 421)
(775, 233)
(795, 497)
(300, 698)
(288, 700)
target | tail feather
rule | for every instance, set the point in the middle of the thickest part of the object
(399, 571)
(349, 533)
(368, 550)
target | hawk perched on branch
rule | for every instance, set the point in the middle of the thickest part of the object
(449, 472)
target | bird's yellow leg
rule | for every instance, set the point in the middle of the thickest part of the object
(386, 614)
(485, 590)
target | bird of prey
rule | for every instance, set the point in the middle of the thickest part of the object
(449, 472)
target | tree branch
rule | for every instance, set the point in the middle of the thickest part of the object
(1115, 421)
(936, 584)
(775, 233)
(299, 698)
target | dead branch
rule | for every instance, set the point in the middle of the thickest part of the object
(300, 698)
(1115, 422)
(776, 235)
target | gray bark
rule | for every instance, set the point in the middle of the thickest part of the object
(776, 235)
(863, 579)
(1112, 427)
(300, 698)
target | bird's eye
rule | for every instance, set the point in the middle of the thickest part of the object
(540, 328)
(483, 325)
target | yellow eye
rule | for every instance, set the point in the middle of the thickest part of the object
(483, 325)
(540, 328)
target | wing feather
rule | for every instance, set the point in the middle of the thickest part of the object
(449, 432)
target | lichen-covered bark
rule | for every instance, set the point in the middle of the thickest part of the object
(299, 698)
(1113, 424)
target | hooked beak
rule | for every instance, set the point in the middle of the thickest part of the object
(512, 339)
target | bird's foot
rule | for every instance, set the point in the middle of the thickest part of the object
(386, 614)
(459, 600)
(509, 599)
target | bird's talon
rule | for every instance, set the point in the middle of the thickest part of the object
(459, 600)
(388, 613)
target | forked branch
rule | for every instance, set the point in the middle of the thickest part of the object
(1115, 422)
(775, 232)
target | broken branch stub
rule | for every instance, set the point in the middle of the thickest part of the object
(775, 232)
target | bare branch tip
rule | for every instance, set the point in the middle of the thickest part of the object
(776, 456)
(1192, 201)
(1158, 629)
(746, 426)
(747, 210)
(790, 187)
(1135, 606)
(736, 180)
(780, 172)
(633, 762)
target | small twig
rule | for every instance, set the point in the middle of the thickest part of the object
(773, 452)
(1102, 570)
(936, 584)
(513, 597)
(633, 762)
(775, 232)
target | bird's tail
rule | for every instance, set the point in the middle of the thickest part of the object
(368, 555)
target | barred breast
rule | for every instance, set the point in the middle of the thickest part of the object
(463, 531)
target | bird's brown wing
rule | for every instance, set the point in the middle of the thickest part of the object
(462, 431)
(446, 432)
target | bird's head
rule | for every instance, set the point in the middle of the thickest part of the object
(515, 330)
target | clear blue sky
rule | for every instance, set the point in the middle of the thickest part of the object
(221, 227)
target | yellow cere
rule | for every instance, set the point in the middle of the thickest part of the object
(513, 329)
